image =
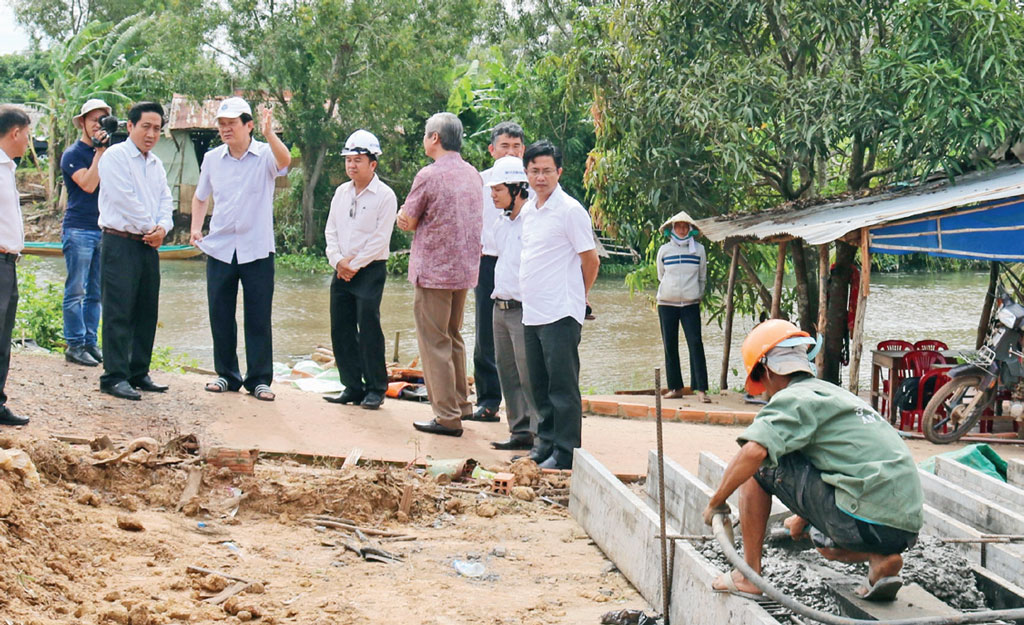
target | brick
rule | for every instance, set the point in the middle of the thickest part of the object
(634, 411)
(586, 405)
(692, 416)
(503, 483)
(721, 418)
(745, 418)
(238, 460)
(667, 414)
(608, 408)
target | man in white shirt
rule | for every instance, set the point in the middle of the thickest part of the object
(240, 175)
(358, 236)
(135, 215)
(14, 139)
(559, 265)
(506, 139)
(509, 191)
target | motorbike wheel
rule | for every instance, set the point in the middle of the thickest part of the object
(948, 408)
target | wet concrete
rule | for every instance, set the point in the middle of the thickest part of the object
(936, 567)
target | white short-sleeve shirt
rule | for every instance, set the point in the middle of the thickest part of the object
(508, 238)
(12, 230)
(550, 271)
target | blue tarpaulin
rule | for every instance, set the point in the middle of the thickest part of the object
(991, 230)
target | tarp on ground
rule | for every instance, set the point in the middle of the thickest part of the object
(991, 230)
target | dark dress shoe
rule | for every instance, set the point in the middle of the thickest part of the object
(347, 396)
(146, 383)
(372, 401)
(121, 390)
(94, 351)
(484, 414)
(513, 443)
(433, 427)
(9, 418)
(79, 355)
(554, 462)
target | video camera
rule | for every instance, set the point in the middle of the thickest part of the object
(110, 125)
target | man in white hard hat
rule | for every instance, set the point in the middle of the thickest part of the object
(240, 175)
(80, 235)
(358, 236)
(509, 191)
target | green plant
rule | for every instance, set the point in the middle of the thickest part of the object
(398, 264)
(166, 359)
(40, 308)
(305, 261)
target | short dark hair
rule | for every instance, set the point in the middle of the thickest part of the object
(135, 112)
(542, 148)
(245, 118)
(508, 129)
(12, 117)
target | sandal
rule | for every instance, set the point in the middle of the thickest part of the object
(220, 385)
(732, 589)
(884, 589)
(262, 392)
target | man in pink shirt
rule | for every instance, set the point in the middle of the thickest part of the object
(443, 209)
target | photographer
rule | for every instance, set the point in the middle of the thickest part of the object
(80, 237)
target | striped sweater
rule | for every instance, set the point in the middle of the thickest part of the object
(682, 273)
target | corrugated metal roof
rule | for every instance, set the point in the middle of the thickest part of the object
(186, 114)
(827, 222)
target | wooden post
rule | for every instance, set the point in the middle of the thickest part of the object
(780, 270)
(729, 294)
(398, 336)
(986, 309)
(823, 251)
(857, 339)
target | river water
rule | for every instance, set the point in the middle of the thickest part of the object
(619, 350)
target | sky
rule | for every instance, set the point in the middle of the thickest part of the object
(13, 37)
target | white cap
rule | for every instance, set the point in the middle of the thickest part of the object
(89, 107)
(233, 107)
(785, 360)
(507, 170)
(361, 142)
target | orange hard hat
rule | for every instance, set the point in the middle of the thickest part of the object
(760, 341)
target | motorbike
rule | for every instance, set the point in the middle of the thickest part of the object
(989, 385)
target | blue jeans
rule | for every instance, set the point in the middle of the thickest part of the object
(82, 287)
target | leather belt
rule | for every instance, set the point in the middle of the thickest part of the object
(121, 233)
(8, 257)
(507, 304)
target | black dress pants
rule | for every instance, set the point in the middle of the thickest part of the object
(553, 362)
(257, 279)
(8, 311)
(689, 317)
(130, 288)
(485, 368)
(356, 337)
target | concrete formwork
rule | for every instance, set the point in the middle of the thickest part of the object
(1015, 472)
(627, 528)
(995, 490)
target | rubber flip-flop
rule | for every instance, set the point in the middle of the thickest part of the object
(732, 589)
(884, 589)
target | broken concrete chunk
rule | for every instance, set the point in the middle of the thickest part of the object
(129, 523)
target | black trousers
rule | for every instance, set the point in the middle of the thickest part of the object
(130, 288)
(485, 369)
(553, 362)
(257, 279)
(8, 311)
(689, 316)
(356, 337)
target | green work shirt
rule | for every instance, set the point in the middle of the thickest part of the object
(855, 449)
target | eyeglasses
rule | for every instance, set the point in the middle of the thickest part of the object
(542, 172)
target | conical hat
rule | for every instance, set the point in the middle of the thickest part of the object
(680, 216)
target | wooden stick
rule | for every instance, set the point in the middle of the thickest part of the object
(227, 593)
(353, 528)
(780, 271)
(730, 293)
(394, 356)
(823, 252)
(405, 504)
(857, 338)
(199, 569)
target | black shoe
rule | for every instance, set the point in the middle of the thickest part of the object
(433, 427)
(121, 390)
(538, 454)
(146, 383)
(347, 396)
(485, 414)
(94, 351)
(554, 462)
(9, 418)
(514, 443)
(79, 355)
(372, 401)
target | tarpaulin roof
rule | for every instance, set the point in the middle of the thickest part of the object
(827, 222)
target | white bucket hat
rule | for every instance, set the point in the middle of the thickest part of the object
(89, 107)
(507, 170)
(361, 142)
(233, 107)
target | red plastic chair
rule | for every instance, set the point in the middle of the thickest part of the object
(909, 419)
(931, 344)
(915, 364)
(892, 345)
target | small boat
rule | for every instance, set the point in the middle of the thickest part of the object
(167, 252)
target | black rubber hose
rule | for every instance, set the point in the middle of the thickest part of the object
(719, 523)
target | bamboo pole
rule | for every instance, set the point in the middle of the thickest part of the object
(729, 310)
(986, 309)
(823, 252)
(857, 339)
(780, 270)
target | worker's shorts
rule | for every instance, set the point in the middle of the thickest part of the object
(798, 484)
